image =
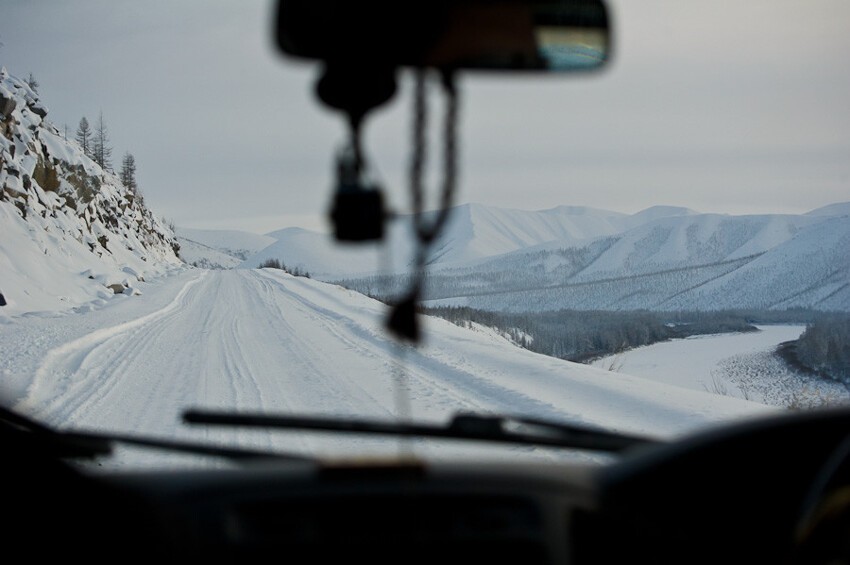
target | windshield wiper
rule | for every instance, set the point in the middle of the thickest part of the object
(34, 438)
(26, 437)
(188, 447)
(463, 426)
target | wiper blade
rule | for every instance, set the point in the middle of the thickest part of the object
(36, 439)
(188, 447)
(472, 427)
(27, 438)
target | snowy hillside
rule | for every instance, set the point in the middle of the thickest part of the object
(205, 257)
(320, 254)
(688, 261)
(811, 269)
(219, 249)
(663, 257)
(839, 209)
(477, 231)
(70, 232)
(703, 239)
(474, 232)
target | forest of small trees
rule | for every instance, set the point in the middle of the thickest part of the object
(581, 336)
(824, 347)
(278, 264)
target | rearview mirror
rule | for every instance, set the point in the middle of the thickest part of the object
(512, 35)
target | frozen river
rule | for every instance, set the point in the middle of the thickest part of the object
(739, 364)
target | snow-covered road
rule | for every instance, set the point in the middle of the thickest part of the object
(264, 340)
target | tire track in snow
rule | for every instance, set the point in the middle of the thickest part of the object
(438, 384)
(53, 378)
(139, 375)
(448, 386)
(528, 384)
(365, 343)
(358, 377)
(340, 393)
(112, 364)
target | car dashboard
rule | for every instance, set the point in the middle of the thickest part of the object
(393, 513)
(733, 494)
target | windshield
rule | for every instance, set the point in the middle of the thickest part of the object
(651, 249)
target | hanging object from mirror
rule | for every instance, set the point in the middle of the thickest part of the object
(357, 211)
(403, 320)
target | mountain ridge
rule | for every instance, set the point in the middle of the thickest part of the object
(662, 257)
(473, 232)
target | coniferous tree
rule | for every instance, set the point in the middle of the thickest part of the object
(101, 151)
(33, 83)
(128, 172)
(84, 137)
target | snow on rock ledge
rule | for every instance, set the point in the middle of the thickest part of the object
(68, 229)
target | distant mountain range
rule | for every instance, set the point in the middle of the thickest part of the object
(662, 258)
(474, 232)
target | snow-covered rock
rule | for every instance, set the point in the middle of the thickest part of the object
(68, 228)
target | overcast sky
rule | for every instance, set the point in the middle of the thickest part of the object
(738, 106)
